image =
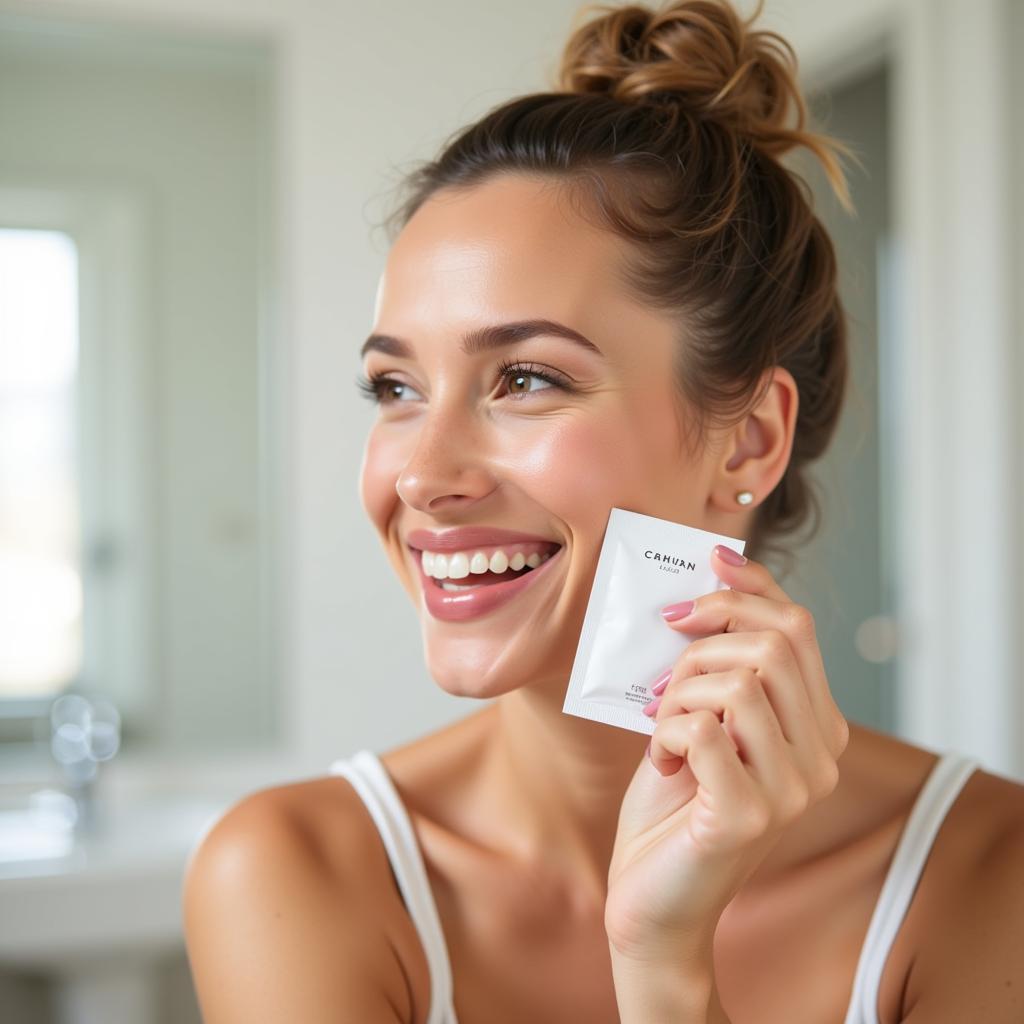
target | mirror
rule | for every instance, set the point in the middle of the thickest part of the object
(137, 336)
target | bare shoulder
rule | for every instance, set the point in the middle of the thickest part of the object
(285, 912)
(968, 962)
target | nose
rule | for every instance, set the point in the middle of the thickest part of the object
(448, 465)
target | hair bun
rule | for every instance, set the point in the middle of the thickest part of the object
(697, 53)
(701, 57)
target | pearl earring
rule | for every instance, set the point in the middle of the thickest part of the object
(745, 497)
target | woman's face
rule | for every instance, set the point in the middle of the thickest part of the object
(457, 444)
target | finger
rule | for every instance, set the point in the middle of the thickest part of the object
(736, 611)
(739, 699)
(769, 653)
(698, 738)
(751, 577)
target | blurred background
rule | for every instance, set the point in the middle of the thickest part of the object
(192, 605)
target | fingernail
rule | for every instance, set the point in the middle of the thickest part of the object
(677, 611)
(729, 556)
(651, 707)
(659, 684)
(648, 751)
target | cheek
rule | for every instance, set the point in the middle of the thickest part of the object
(381, 466)
(580, 466)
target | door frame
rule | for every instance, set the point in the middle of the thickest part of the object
(953, 547)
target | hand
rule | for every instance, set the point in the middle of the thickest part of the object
(747, 738)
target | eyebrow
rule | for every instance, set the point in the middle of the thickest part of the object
(484, 339)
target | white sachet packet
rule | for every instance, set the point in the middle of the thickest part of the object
(625, 644)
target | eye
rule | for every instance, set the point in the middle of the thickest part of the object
(384, 390)
(379, 388)
(515, 373)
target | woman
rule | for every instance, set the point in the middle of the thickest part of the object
(614, 295)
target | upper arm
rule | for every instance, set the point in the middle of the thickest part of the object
(973, 968)
(274, 934)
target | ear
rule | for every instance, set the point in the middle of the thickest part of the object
(757, 452)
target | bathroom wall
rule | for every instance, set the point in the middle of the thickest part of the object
(1015, 130)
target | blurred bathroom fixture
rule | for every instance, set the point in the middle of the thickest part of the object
(84, 732)
(877, 639)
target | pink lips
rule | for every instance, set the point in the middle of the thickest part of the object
(458, 606)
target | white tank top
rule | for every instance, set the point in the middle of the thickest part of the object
(371, 781)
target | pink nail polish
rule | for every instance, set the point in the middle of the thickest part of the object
(677, 611)
(659, 684)
(729, 556)
(651, 707)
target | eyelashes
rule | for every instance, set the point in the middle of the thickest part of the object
(374, 386)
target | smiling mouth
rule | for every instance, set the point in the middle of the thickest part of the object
(470, 598)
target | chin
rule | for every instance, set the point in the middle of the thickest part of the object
(459, 683)
(468, 666)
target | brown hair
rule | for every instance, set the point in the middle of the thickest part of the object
(668, 126)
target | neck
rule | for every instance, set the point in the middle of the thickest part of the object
(559, 780)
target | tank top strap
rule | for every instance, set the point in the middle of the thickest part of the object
(370, 778)
(940, 790)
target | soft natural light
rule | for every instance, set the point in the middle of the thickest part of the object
(40, 579)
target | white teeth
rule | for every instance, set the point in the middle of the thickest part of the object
(459, 564)
(448, 585)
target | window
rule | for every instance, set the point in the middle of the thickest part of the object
(41, 638)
